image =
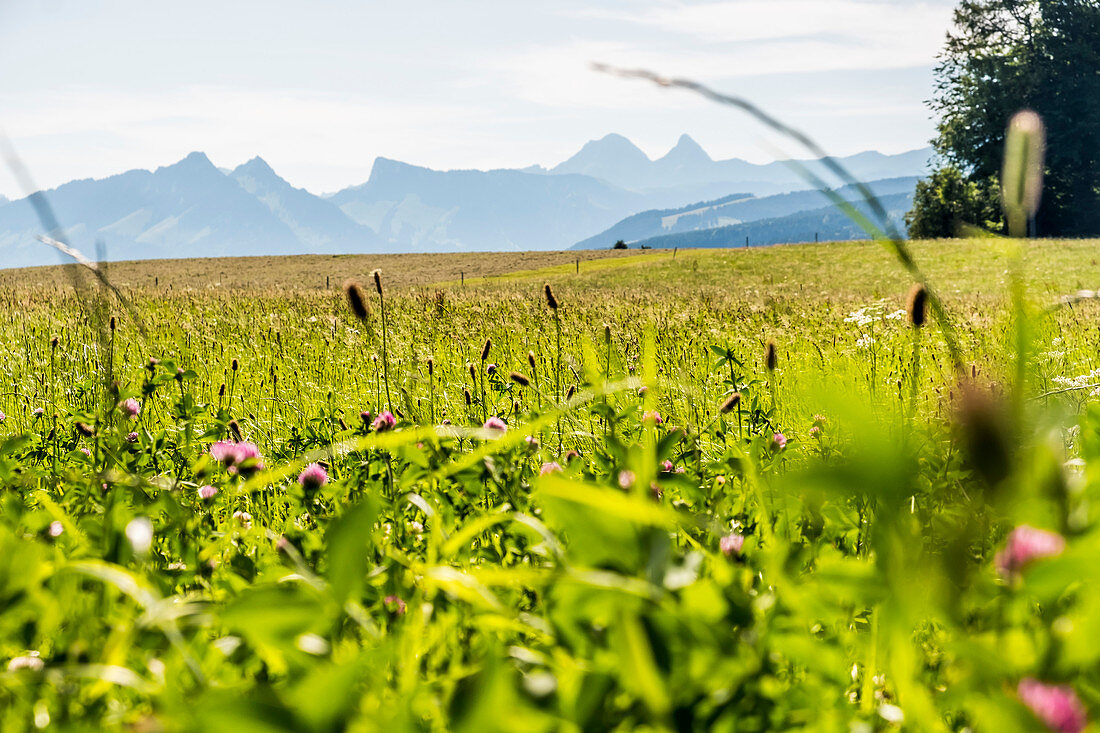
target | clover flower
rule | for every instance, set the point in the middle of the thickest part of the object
(241, 457)
(1056, 705)
(395, 604)
(131, 407)
(207, 492)
(385, 421)
(495, 423)
(313, 477)
(731, 544)
(1026, 544)
(551, 467)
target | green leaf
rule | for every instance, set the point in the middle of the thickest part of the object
(349, 542)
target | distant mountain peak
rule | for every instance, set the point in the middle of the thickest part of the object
(194, 162)
(614, 143)
(686, 149)
(257, 166)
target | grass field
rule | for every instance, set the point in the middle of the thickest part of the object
(570, 522)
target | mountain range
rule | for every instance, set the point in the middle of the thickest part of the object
(618, 161)
(194, 209)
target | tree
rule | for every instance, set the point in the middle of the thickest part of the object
(947, 200)
(619, 245)
(1007, 55)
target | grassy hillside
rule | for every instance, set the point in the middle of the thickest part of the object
(307, 520)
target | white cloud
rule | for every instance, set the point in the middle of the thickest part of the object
(764, 36)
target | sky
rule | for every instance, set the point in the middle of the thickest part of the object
(319, 89)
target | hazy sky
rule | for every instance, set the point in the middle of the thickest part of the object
(319, 89)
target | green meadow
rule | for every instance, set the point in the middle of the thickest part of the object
(751, 489)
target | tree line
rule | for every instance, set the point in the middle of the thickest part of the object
(1002, 56)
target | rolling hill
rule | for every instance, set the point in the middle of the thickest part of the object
(732, 210)
(823, 224)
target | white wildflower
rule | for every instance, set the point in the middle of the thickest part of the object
(140, 533)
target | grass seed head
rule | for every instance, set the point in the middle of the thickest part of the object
(431, 367)
(571, 391)
(235, 430)
(1022, 178)
(466, 394)
(377, 275)
(519, 378)
(485, 349)
(550, 299)
(731, 403)
(918, 298)
(356, 300)
(771, 357)
(53, 342)
(531, 360)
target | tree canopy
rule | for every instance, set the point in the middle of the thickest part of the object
(1003, 56)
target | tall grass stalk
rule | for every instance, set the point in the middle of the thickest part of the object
(377, 275)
